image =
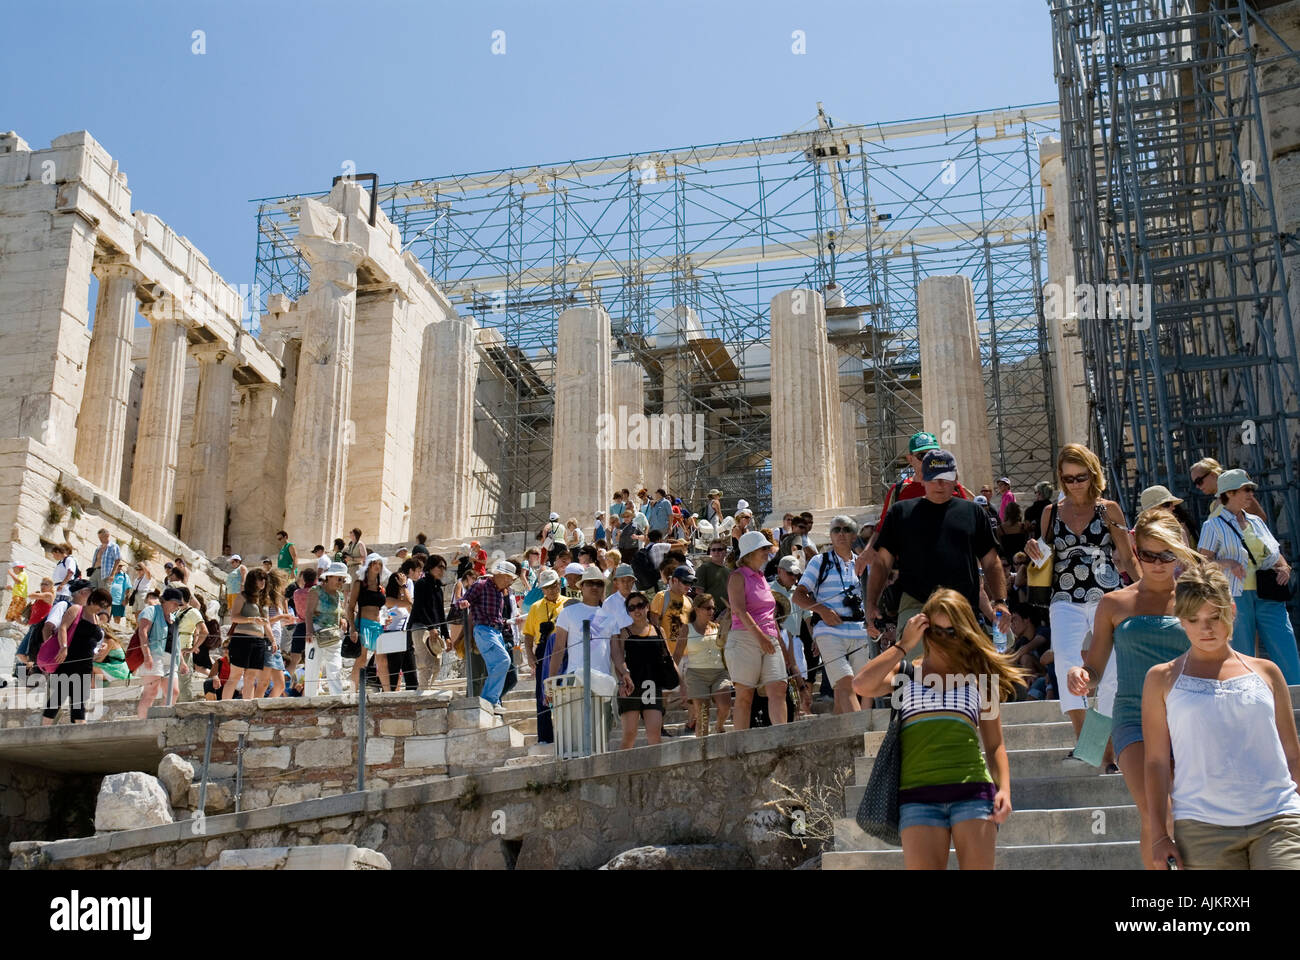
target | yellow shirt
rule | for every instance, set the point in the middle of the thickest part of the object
(678, 612)
(539, 613)
(21, 586)
(1256, 549)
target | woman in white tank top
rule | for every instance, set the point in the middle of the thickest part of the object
(1236, 757)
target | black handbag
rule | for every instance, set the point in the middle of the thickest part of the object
(351, 647)
(1266, 585)
(878, 811)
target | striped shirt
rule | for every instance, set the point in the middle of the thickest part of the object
(942, 758)
(1219, 539)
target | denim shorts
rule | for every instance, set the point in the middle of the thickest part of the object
(1124, 735)
(943, 814)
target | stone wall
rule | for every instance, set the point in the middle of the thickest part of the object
(564, 814)
(38, 804)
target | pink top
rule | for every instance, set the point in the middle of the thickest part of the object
(759, 602)
(1007, 498)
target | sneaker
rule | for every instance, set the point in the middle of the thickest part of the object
(1071, 757)
(499, 709)
(1112, 768)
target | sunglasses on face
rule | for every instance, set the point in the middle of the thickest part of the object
(633, 608)
(949, 633)
(717, 549)
(1197, 481)
(1165, 556)
(842, 530)
(1076, 478)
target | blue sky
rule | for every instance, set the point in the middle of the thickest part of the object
(286, 92)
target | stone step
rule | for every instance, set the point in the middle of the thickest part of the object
(1046, 793)
(1121, 855)
(1025, 764)
(1030, 828)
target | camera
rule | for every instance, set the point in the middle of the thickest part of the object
(853, 601)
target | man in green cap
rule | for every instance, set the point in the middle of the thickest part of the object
(913, 487)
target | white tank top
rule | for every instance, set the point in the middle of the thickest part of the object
(1229, 768)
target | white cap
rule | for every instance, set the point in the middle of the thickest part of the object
(575, 568)
(554, 515)
(742, 505)
(236, 558)
(503, 567)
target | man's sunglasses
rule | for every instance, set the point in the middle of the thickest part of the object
(1165, 556)
(949, 633)
(717, 549)
(843, 530)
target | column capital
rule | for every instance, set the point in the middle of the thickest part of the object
(214, 353)
(335, 260)
(106, 268)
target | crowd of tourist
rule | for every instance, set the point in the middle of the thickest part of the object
(740, 625)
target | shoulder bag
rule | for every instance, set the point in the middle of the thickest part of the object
(878, 811)
(1266, 585)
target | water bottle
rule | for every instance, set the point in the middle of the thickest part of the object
(1000, 638)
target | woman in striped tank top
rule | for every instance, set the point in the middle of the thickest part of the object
(946, 793)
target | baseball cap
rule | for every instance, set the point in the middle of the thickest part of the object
(592, 573)
(1006, 480)
(76, 586)
(1231, 480)
(18, 565)
(504, 567)
(982, 500)
(921, 442)
(623, 570)
(547, 578)
(236, 558)
(554, 515)
(938, 465)
(791, 564)
(574, 568)
(684, 574)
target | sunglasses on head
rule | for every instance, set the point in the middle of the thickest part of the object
(949, 633)
(1165, 556)
(1076, 478)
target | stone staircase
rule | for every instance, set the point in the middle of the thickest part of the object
(1066, 815)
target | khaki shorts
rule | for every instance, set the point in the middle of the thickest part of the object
(702, 684)
(1272, 844)
(162, 666)
(908, 607)
(843, 656)
(748, 665)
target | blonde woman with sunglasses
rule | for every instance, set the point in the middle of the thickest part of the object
(1089, 546)
(1138, 623)
(948, 793)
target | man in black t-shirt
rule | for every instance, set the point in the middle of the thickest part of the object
(937, 541)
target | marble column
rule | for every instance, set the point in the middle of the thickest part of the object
(203, 525)
(677, 405)
(628, 388)
(803, 467)
(153, 472)
(832, 424)
(580, 465)
(101, 424)
(952, 380)
(323, 430)
(1069, 387)
(850, 495)
(441, 492)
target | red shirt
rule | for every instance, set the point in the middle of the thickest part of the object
(480, 562)
(40, 610)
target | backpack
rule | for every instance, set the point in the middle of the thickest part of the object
(647, 575)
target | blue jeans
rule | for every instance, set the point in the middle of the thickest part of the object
(1269, 619)
(493, 651)
(943, 814)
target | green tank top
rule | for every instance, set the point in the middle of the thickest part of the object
(1140, 643)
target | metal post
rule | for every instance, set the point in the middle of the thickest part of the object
(467, 638)
(207, 757)
(239, 772)
(361, 733)
(588, 731)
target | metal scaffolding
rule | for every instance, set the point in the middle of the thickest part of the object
(1163, 121)
(685, 249)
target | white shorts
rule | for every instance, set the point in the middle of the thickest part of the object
(843, 656)
(748, 665)
(162, 666)
(1071, 626)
